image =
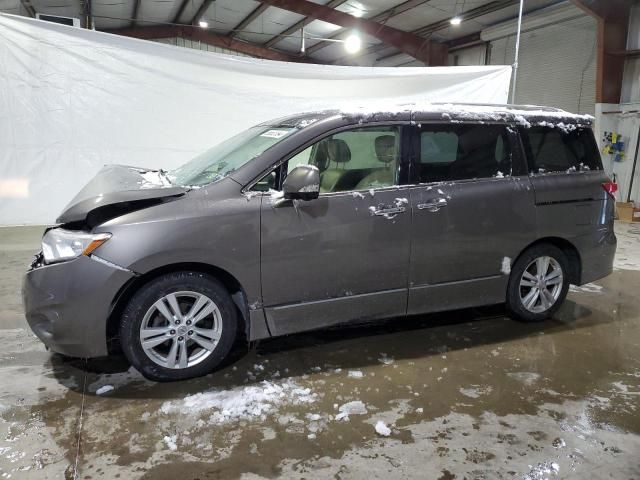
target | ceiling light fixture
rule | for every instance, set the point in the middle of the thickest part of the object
(203, 24)
(456, 21)
(352, 43)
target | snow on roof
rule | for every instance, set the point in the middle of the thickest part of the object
(456, 112)
(525, 115)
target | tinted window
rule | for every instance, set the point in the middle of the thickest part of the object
(354, 160)
(556, 150)
(458, 152)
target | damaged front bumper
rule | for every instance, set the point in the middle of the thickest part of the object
(67, 304)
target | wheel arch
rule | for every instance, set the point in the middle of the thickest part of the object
(122, 298)
(568, 248)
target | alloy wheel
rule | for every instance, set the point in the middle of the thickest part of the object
(181, 329)
(541, 284)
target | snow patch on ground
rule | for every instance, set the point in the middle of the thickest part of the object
(356, 407)
(541, 471)
(382, 429)
(385, 359)
(170, 442)
(475, 391)
(528, 378)
(628, 248)
(355, 374)
(586, 288)
(104, 389)
(254, 401)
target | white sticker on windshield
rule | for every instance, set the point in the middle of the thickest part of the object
(274, 133)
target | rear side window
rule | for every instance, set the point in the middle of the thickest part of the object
(463, 151)
(558, 150)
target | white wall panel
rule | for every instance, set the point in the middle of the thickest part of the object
(557, 64)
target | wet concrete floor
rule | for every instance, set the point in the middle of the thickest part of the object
(466, 394)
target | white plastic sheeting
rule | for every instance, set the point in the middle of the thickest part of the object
(73, 100)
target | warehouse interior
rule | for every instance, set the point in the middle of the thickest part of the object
(467, 393)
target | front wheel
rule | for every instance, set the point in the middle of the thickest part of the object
(178, 326)
(538, 283)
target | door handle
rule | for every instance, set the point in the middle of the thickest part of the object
(433, 205)
(382, 211)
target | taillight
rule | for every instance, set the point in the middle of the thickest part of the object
(610, 187)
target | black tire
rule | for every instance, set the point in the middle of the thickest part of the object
(515, 306)
(144, 299)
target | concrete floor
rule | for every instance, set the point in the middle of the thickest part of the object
(467, 394)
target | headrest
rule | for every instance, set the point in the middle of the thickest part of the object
(321, 157)
(386, 148)
(338, 150)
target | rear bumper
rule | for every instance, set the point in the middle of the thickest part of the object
(597, 251)
(67, 304)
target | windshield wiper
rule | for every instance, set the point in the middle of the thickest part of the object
(165, 174)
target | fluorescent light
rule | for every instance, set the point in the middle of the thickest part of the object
(203, 24)
(456, 21)
(352, 44)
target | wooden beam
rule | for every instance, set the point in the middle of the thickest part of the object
(205, 36)
(204, 6)
(419, 48)
(183, 5)
(259, 10)
(440, 25)
(612, 17)
(298, 25)
(602, 8)
(136, 12)
(381, 18)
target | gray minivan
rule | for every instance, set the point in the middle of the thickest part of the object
(320, 219)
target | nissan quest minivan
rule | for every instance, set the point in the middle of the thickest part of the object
(322, 219)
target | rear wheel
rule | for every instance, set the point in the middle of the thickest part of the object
(178, 326)
(538, 283)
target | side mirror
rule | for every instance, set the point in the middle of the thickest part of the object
(302, 183)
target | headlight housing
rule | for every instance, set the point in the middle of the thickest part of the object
(59, 245)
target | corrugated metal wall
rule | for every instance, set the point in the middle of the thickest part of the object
(557, 64)
(197, 45)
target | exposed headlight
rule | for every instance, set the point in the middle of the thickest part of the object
(59, 245)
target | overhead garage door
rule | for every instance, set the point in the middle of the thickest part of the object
(557, 64)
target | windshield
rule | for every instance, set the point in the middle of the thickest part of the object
(219, 161)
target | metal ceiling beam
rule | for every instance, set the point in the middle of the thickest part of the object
(259, 10)
(201, 11)
(136, 12)
(205, 36)
(442, 24)
(419, 48)
(298, 25)
(26, 4)
(183, 5)
(381, 18)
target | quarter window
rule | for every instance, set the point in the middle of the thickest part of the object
(459, 152)
(560, 150)
(357, 159)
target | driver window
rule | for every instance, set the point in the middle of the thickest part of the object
(354, 160)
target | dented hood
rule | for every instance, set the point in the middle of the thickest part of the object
(117, 189)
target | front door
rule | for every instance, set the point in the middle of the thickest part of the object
(473, 213)
(344, 256)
